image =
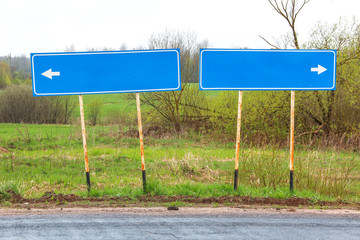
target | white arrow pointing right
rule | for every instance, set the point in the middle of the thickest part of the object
(320, 69)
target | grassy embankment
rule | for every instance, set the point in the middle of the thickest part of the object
(50, 158)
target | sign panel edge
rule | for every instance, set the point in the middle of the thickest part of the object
(33, 55)
(332, 88)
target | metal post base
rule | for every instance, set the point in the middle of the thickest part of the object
(236, 177)
(291, 181)
(144, 180)
(88, 180)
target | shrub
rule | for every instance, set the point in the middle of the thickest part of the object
(17, 105)
(94, 111)
(265, 116)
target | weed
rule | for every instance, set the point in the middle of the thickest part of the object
(24, 134)
(8, 190)
(6, 203)
(176, 204)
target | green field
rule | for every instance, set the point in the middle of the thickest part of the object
(112, 104)
(123, 103)
(45, 158)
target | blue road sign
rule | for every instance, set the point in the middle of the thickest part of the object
(105, 72)
(244, 69)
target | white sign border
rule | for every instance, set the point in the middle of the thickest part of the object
(105, 92)
(265, 50)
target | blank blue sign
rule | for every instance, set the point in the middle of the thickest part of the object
(105, 72)
(243, 69)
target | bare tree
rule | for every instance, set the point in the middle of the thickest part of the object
(289, 10)
(68, 108)
(343, 38)
(70, 48)
(123, 47)
(178, 107)
(5, 74)
(94, 111)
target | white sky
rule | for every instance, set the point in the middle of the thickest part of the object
(51, 25)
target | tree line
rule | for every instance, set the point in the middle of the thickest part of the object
(14, 70)
(321, 116)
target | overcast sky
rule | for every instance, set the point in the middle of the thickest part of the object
(52, 25)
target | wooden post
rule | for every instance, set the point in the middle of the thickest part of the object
(87, 169)
(292, 127)
(237, 153)
(141, 141)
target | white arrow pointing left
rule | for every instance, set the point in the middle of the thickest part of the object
(49, 73)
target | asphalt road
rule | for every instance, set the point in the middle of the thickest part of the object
(202, 226)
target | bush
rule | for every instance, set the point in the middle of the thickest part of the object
(94, 111)
(265, 116)
(17, 105)
(182, 110)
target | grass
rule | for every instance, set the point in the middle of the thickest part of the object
(119, 104)
(6, 191)
(112, 103)
(50, 158)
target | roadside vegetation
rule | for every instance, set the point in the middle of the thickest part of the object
(45, 158)
(189, 134)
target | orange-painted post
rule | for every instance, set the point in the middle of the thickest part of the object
(87, 169)
(237, 151)
(292, 127)
(141, 141)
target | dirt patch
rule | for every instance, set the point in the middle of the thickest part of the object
(244, 200)
(57, 198)
(4, 150)
(51, 198)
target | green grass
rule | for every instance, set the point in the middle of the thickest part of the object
(6, 191)
(50, 158)
(113, 103)
(117, 104)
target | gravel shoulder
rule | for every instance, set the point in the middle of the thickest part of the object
(52, 203)
(161, 211)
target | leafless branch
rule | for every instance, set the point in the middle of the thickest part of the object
(289, 11)
(272, 45)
